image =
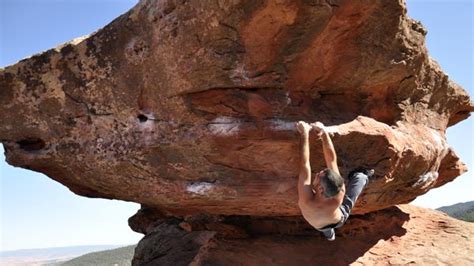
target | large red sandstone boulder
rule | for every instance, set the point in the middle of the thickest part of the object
(188, 106)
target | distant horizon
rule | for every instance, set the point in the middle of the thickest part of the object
(73, 246)
(45, 256)
(37, 211)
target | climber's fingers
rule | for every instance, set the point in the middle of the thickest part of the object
(302, 127)
(318, 127)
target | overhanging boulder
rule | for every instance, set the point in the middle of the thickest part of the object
(188, 106)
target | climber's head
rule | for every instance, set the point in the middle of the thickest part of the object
(328, 183)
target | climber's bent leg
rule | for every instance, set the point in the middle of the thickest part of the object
(357, 182)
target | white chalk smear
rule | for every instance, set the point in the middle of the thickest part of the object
(200, 188)
(278, 124)
(224, 120)
(239, 73)
(331, 129)
(146, 126)
(426, 179)
(437, 137)
(224, 126)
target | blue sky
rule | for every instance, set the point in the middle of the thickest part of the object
(36, 211)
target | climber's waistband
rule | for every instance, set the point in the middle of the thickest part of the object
(344, 216)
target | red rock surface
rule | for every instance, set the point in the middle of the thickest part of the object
(189, 107)
(396, 236)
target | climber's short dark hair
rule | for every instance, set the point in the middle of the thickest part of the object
(331, 182)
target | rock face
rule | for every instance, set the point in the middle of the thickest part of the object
(395, 236)
(188, 107)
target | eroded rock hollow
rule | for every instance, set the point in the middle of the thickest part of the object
(188, 107)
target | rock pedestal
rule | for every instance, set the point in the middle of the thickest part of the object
(395, 236)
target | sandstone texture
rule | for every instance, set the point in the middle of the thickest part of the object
(188, 107)
(395, 236)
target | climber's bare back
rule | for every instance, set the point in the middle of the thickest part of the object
(322, 212)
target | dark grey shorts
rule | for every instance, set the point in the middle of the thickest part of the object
(357, 182)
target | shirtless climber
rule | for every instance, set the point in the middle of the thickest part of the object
(326, 202)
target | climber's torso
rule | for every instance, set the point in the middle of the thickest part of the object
(321, 212)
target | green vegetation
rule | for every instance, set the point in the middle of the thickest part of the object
(114, 257)
(462, 211)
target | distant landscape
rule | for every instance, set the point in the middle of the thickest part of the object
(117, 257)
(66, 255)
(462, 211)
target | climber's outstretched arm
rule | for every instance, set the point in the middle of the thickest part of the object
(305, 192)
(328, 148)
